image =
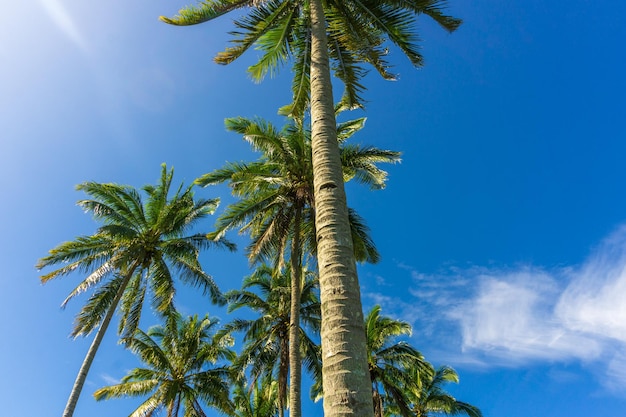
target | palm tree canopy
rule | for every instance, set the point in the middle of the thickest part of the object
(145, 237)
(280, 182)
(358, 33)
(390, 361)
(267, 293)
(177, 375)
(258, 398)
(432, 399)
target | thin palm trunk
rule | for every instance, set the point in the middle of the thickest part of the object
(378, 403)
(93, 348)
(346, 382)
(295, 368)
(283, 370)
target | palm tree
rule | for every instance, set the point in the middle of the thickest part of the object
(348, 32)
(389, 361)
(130, 256)
(431, 398)
(176, 374)
(267, 345)
(256, 399)
(277, 205)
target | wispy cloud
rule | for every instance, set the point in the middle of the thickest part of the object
(514, 316)
(109, 380)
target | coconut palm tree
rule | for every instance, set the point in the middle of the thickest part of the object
(277, 205)
(130, 256)
(389, 361)
(266, 339)
(258, 398)
(178, 376)
(344, 33)
(430, 398)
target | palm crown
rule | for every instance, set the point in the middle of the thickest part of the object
(429, 397)
(280, 183)
(177, 374)
(357, 32)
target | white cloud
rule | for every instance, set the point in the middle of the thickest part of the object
(595, 301)
(514, 316)
(616, 373)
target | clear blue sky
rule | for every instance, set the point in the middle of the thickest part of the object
(503, 231)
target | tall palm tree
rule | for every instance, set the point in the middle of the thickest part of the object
(348, 32)
(267, 346)
(277, 205)
(431, 398)
(130, 256)
(176, 374)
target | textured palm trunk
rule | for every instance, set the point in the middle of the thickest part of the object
(378, 404)
(295, 367)
(283, 370)
(345, 376)
(93, 349)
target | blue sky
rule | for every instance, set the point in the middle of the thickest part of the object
(503, 231)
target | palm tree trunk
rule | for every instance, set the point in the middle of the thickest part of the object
(93, 348)
(346, 382)
(283, 370)
(295, 367)
(378, 404)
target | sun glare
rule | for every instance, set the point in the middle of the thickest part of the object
(62, 19)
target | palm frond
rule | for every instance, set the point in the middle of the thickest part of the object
(205, 11)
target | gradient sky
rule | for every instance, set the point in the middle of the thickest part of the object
(503, 231)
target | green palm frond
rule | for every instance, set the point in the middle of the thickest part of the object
(255, 27)
(359, 163)
(364, 247)
(92, 280)
(94, 311)
(301, 82)
(432, 8)
(274, 43)
(131, 307)
(126, 389)
(83, 254)
(205, 11)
